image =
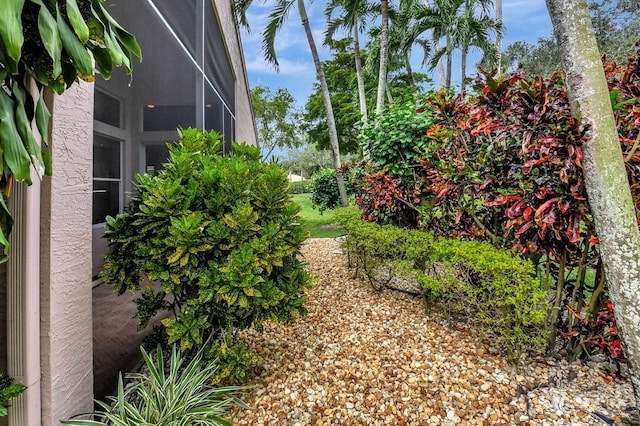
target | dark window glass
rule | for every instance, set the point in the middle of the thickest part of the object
(213, 111)
(106, 157)
(155, 158)
(168, 117)
(106, 109)
(106, 199)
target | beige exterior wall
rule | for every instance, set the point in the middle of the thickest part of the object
(66, 323)
(245, 127)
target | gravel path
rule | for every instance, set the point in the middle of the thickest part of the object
(360, 357)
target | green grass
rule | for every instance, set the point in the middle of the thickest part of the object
(318, 225)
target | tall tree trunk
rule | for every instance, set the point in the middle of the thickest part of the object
(359, 74)
(463, 66)
(447, 78)
(384, 53)
(605, 176)
(499, 35)
(409, 69)
(331, 122)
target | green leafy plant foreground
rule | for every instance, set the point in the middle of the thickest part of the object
(491, 288)
(47, 44)
(220, 234)
(8, 391)
(172, 393)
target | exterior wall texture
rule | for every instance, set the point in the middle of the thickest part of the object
(66, 324)
(245, 125)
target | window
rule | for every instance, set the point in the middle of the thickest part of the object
(107, 177)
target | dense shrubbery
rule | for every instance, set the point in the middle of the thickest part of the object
(505, 166)
(222, 237)
(491, 288)
(300, 187)
(324, 190)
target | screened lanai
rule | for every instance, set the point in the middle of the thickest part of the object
(186, 78)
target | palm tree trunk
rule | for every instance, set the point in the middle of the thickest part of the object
(331, 122)
(409, 69)
(359, 74)
(447, 79)
(499, 35)
(463, 66)
(384, 51)
(606, 179)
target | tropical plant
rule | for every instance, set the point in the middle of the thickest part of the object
(276, 20)
(47, 44)
(353, 19)
(8, 391)
(221, 235)
(169, 392)
(324, 190)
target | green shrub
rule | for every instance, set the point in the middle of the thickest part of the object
(324, 190)
(300, 187)
(222, 237)
(395, 141)
(493, 288)
(8, 391)
(172, 393)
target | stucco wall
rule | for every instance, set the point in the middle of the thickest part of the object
(245, 124)
(66, 326)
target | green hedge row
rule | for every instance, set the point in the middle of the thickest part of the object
(474, 281)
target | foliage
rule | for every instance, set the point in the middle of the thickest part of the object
(308, 160)
(300, 187)
(494, 289)
(324, 190)
(276, 119)
(170, 393)
(52, 43)
(219, 233)
(616, 24)
(8, 391)
(393, 143)
(506, 166)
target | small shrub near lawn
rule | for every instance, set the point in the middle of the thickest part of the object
(492, 288)
(300, 187)
(324, 190)
(221, 235)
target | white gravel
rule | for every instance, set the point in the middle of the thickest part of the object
(361, 357)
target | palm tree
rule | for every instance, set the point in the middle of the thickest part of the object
(276, 19)
(456, 21)
(353, 19)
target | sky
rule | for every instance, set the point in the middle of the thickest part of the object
(525, 20)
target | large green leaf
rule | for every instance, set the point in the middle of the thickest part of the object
(43, 117)
(50, 38)
(24, 129)
(77, 21)
(76, 51)
(7, 223)
(11, 34)
(103, 62)
(130, 42)
(15, 154)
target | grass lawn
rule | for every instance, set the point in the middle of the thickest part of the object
(319, 225)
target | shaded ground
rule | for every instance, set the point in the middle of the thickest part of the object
(366, 358)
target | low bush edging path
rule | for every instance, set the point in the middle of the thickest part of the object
(360, 357)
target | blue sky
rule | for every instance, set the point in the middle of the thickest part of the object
(524, 20)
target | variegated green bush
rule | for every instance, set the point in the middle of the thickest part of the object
(47, 44)
(222, 237)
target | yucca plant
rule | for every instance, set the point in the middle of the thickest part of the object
(170, 394)
(47, 43)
